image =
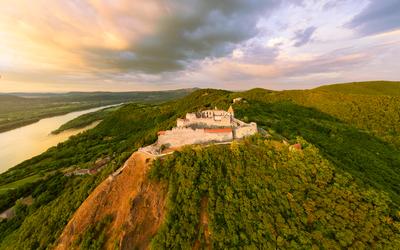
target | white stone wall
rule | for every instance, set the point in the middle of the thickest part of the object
(206, 122)
(190, 116)
(185, 136)
(213, 112)
(246, 130)
(180, 122)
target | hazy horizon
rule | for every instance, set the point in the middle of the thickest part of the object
(194, 87)
(121, 45)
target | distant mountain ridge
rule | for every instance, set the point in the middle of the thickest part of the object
(367, 88)
(91, 93)
(9, 97)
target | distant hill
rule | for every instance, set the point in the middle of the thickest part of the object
(20, 109)
(10, 98)
(365, 88)
(357, 104)
(106, 94)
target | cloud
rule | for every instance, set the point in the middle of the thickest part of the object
(151, 36)
(303, 37)
(137, 44)
(331, 4)
(378, 17)
(192, 30)
(338, 62)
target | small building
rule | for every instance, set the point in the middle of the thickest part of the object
(236, 100)
(295, 147)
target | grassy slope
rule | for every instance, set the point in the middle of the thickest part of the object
(365, 88)
(16, 184)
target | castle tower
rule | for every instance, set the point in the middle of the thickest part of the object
(230, 110)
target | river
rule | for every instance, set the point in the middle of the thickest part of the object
(23, 143)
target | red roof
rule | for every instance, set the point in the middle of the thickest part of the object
(218, 130)
(297, 146)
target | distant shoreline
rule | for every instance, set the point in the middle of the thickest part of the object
(30, 121)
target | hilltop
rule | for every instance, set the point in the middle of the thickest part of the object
(365, 88)
(374, 113)
(339, 190)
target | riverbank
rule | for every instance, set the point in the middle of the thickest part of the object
(22, 121)
(22, 109)
(26, 142)
(85, 120)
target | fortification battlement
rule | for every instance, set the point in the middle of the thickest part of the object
(207, 118)
(203, 127)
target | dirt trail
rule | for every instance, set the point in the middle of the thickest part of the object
(136, 204)
(204, 220)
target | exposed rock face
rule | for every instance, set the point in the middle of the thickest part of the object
(136, 205)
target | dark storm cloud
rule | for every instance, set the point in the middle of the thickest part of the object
(193, 30)
(378, 17)
(302, 37)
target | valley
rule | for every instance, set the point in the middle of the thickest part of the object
(21, 109)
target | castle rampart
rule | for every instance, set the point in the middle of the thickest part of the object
(203, 127)
(185, 136)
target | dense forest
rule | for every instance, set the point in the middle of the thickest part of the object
(365, 88)
(85, 119)
(341, 191)
(261, 195)
(351, 103)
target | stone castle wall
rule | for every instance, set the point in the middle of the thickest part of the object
(207, 118)
(201, 128)
(205, 122)
(185, 136)
(246, 130)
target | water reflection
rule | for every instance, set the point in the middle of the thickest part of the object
(23, 143)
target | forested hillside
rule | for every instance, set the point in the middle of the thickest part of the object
(57, 196)
(365, 88)
(261, 195)
(341, 191)
(377, 114)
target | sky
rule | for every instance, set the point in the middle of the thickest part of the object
(126, 45)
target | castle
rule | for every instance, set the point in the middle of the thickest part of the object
(208, 126)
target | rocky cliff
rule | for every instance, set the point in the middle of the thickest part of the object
(132, 206)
